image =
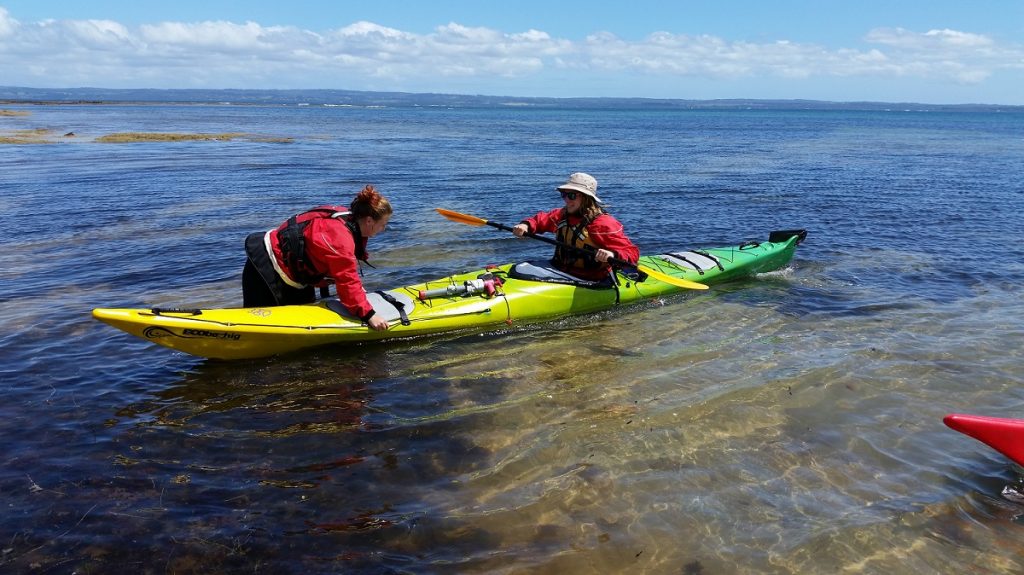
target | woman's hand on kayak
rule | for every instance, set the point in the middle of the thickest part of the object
(377, 323)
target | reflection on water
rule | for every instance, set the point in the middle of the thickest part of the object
(789, 423)
(611, 443)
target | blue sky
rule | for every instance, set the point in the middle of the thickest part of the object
(940, 51)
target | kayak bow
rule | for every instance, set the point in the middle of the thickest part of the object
(1004, 435)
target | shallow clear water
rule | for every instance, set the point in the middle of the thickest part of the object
(788, 424)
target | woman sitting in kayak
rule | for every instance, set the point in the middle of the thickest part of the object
(285, 264)
(582, 223)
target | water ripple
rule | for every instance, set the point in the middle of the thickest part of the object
(792, 420)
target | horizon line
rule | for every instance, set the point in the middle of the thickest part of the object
(395, 93)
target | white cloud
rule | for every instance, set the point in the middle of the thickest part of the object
(371, 29)
(961, 39)
(533, 36)
(225, 38)
(365, 55)
(931, 40)
(8, 25)
(957, 56)
(99, 34)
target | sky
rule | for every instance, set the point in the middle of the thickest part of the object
(932, 51)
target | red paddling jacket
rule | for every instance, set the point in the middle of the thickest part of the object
(318, 245)
(604, 232)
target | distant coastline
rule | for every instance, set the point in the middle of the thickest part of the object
(12, 95)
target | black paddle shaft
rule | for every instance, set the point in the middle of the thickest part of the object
(589, 252)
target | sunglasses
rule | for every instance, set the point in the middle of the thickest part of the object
(568, 195)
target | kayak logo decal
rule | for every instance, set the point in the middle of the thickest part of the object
(154, 332)
(209, 334)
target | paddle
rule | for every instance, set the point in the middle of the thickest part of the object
(660, 276)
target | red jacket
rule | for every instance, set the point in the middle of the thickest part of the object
(331, 250)
(604, 232)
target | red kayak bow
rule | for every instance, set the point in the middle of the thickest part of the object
(1004, 435)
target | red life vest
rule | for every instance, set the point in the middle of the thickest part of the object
(291, 238)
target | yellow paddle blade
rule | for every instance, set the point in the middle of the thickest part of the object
(461, 218)
(679, 282)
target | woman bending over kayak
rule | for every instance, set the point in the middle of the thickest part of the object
(584, 224)
(284, 265)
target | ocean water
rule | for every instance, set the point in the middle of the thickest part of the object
(790, 423)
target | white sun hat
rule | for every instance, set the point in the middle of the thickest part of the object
(583, 183)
